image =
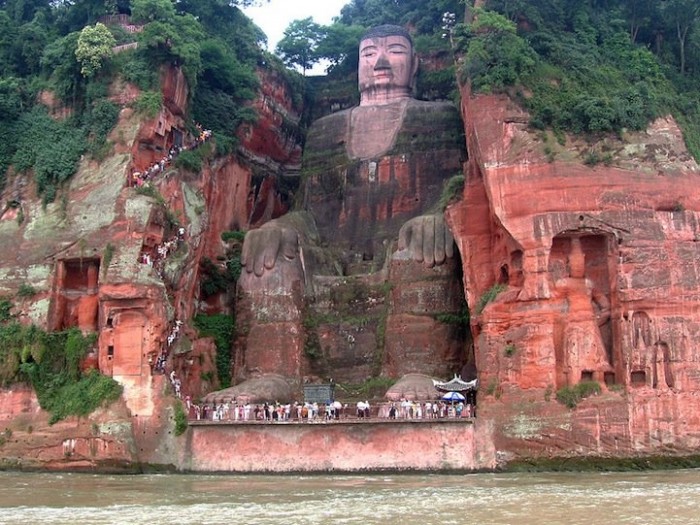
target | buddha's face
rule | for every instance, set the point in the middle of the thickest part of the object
(387, 67)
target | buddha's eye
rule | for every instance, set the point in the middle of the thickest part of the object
(397, 50)
(368, 53)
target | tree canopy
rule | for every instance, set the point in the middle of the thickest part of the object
(94, 47)
(588, 67)
(66, 46)
(299, 44)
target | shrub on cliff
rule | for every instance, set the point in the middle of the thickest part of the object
(221, 328)
(572, 395)
(489, 295)
(495, 56)
(589, 68)
(50, 361)
(51, 148)
(180, 418)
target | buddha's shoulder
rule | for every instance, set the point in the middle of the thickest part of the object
(334, 118)
(435, 112)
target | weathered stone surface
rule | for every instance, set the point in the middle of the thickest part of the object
(626, 320)
(105, 441)
(361, 203)
(82, 254)
(413, 387)
(261, 389)
(423, 331)
(339, 447)
(366, 172)
(175, 90)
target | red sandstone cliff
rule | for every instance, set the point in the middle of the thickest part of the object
(597, 266)
(598, 271)
(85, 259)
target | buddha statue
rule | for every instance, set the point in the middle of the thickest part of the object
(367, 210)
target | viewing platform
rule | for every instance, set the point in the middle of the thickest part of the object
(332, 422)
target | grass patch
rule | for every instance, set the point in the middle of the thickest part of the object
(180, 418)
(572, 395)
(26, 290)
(221, 328)
(489, 295)
(107, 256)
(50, 361)
(452, 191)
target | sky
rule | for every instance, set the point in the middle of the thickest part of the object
(274, 16)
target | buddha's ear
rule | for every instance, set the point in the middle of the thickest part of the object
(415, 62)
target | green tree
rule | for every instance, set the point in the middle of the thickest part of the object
(151, 10)
(424, 17)
(639, 14)
(31, 40)
(24, 10)
(60, 63)
(177, 41)
(228, 23)
(681, 16)
(95, 45)
(8, 37)
(299, 43)
(496, 56)
(339, 46)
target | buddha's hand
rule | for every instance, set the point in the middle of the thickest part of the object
(427, 239)
(262, 247)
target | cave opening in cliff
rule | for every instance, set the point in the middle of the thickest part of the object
(80, 274)
(638, 378)
(74, 302)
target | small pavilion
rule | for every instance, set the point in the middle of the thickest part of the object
(457, 384)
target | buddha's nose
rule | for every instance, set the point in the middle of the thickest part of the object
(382, 63)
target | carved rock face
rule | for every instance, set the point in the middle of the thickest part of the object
(366, 172)
(361, 191)
(386, 69)
(600, 284)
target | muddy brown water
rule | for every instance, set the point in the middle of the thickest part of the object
(644, 498)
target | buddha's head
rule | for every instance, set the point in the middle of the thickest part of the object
(388, 65)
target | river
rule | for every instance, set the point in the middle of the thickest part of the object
(644, 498)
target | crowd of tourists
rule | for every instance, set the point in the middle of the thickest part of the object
(139, 178)
(176, 384)
(158, 362)
(407, 409)
(231, 411)
(155, 257)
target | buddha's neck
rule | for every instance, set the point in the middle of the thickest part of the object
(378, 96)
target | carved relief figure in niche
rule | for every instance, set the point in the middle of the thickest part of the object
(641, 361)
(662, 377)
(371, 177)
(586, 309)
(651, 359)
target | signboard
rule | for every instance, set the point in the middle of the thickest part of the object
(324, 393)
